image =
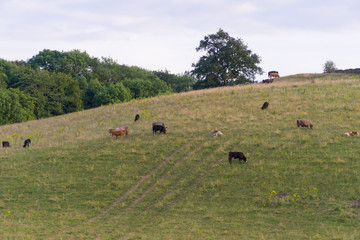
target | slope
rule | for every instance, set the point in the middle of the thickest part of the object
(74, 182)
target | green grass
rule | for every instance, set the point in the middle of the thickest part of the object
(74, 182)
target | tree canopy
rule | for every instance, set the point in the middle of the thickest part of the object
(329, 67)
(53, 83)
(227, 61)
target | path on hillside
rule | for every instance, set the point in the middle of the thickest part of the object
(181, 194)
(134, 187)
(157, 181)
(173, 202)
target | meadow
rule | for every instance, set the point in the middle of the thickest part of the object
(75, 182)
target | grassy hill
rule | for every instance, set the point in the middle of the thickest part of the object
(74, 182)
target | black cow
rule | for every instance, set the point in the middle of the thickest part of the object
(27, 143)
(158, 126)
(267, 80)
(238, 155)
(5, 144)
(137, 117)
(265, 106)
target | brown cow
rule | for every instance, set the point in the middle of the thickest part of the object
(349, 134)
(273, 74)
(117, 132)
(120, 128)
(304, 123)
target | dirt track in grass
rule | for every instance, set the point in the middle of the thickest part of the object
(137, 184)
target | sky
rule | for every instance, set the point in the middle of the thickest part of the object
(290, 36)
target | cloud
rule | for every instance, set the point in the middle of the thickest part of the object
(164, 33)
(245, 8)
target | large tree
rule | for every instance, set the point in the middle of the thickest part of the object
(227, 61)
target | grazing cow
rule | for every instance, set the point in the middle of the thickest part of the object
(158, 126)
(349, 134)
(304, 123)
(267, 80)
(117, 132)
(137, 117)
(238, 155)
(5, 144)
(217, 133)
(273, 74)
(27, 143)
(120, 128)
(265, 106)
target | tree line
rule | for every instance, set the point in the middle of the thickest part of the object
(54, 83)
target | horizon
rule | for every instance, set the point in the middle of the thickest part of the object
(290, 36)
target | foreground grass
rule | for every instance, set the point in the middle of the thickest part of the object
(76, 183)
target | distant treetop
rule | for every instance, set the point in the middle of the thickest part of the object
(329, 67)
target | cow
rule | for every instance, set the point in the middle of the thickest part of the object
(238, 155)
(265, 106)
(158, 126)
(27, 143)
(5, 144)
(120, 128)
(304, 123)
(274, 74)
(217, 133)
(349, 134)
(117, 132)
(137, 117)
(267, 80)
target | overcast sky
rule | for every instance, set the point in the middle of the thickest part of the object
(290, 36)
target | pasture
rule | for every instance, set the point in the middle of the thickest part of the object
(75, 182)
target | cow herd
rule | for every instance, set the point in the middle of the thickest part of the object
(160, 127)
(300, 123)
(271, 76)
(121, 131)
(6, 144)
